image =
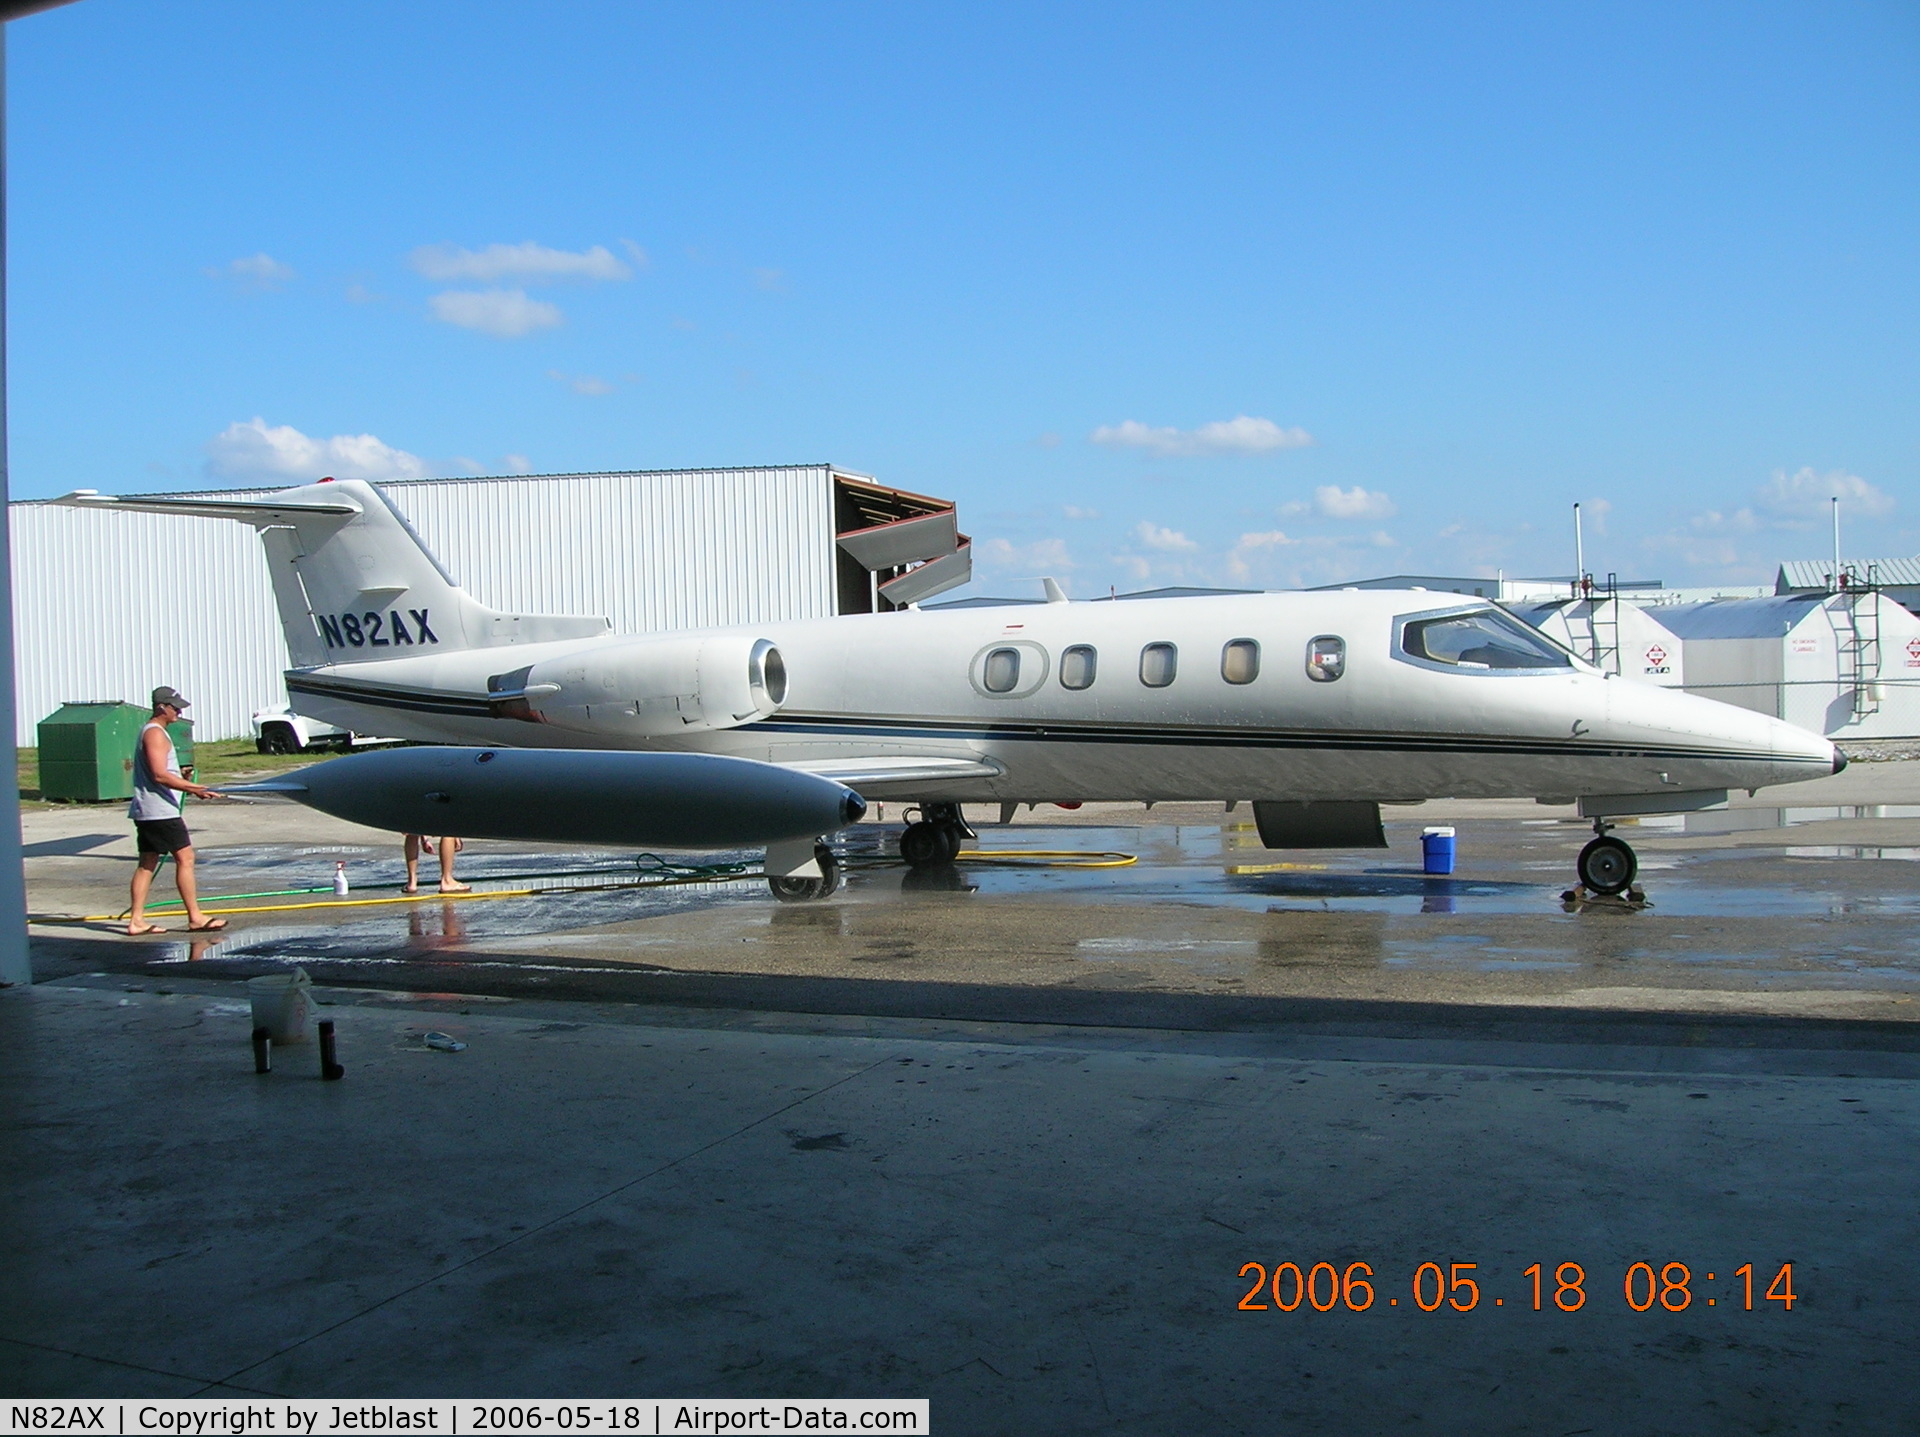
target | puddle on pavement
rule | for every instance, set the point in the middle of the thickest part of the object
(1189, 864)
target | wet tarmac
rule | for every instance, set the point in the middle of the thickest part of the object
(1760, 908)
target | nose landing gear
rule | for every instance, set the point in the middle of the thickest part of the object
(933, 840)
(1607, 868)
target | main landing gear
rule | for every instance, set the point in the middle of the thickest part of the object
(807, 877)
(1607, 869)
(933, 839)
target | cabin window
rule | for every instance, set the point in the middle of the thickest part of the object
(1001, 672)
(1489, 639)
(1157, 665)
(1077, 667)
(1240, 661)
(1326, 658)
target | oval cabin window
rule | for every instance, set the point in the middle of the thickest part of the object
(1077, 666)
(1157, 665)
(1240, 661)
(1326, 658)
(1001, 671)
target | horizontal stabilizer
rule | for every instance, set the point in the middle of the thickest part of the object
(352, 580)
(260, 513)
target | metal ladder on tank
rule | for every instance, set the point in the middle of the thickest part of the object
(1859, 639)
(1603, 626)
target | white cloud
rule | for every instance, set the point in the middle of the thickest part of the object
(641, 259)
(1042, 556)
(531, 263)
(1171, 541)
(254, 450)
(1244, 435)
(256, 271)
(1270, 539)
(1805, 494)
(1745, 543)
(1355, 503)
(1074, 511)
(589, 384)
(503, 313)
(516, 464)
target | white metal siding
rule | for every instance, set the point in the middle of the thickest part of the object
(108, 605)
(647, 551)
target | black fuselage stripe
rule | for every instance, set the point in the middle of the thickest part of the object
(390, 698)
(827, 727)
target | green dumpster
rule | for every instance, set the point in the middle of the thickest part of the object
(86, 749)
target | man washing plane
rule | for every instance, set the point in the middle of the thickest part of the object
(1318, 706)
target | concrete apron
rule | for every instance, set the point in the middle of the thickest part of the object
(1038, 1229)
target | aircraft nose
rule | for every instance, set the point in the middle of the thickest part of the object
(853, 807)
(1839, 760)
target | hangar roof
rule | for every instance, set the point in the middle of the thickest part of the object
(1817, 574)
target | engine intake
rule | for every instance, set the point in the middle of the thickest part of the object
(649, 688)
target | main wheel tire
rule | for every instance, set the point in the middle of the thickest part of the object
(1607, 866)
(810, 890)
(928, 845)
(952, 839)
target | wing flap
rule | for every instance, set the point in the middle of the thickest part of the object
(896, 768)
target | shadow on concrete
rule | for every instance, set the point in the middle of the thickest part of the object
(68, 847)
(516, 975)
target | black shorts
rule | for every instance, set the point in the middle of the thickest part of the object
(161, 835)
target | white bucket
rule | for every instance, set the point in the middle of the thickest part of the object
(282, 1004)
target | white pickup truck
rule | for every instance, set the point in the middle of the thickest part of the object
(281, 730)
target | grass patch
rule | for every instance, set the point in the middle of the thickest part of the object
(227, 760)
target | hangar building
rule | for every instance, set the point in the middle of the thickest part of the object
(107, 605)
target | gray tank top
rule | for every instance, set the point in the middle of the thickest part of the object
(150, 800)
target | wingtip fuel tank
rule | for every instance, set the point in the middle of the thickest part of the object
(620, 798)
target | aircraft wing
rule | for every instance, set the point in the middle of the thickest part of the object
(897, 768)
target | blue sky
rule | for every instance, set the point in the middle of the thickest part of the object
(1262, 295)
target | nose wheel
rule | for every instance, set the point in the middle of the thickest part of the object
(1607, 868)
(934, 839)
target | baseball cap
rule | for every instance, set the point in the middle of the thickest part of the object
(166, 694)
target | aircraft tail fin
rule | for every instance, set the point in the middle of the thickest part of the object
(352, 580)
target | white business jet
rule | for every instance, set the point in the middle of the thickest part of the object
(1318, 706)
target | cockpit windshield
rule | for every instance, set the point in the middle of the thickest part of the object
(1484, 639)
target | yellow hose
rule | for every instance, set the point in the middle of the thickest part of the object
(1053, 857)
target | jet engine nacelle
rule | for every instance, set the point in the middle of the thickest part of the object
(648, 688)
